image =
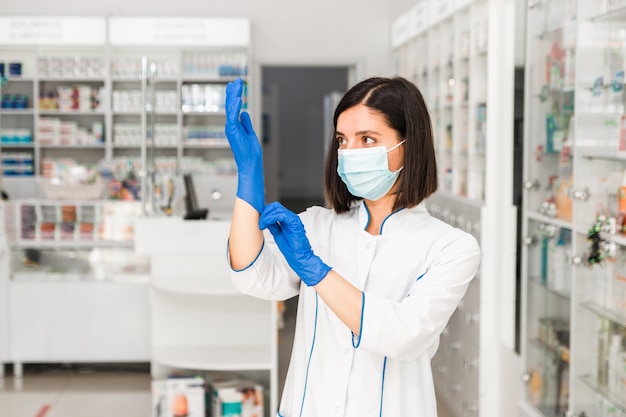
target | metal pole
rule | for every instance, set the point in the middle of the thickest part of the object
(150, 170)
(144, 132)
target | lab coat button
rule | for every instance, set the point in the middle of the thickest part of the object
(346, 351)
(337, 409)
(368, 245)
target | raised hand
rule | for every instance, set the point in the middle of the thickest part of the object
(246, 149)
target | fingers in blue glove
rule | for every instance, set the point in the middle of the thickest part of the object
(290, 236)
(275, 230)
(233, 99)
(275, 213)
(246, 123)
(233, 104)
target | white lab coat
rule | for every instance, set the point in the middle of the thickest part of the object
(413, 275)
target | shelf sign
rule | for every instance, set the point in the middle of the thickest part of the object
(52, 30)
(179, 31)
(419, 18)
(440, 9)
(400, 30)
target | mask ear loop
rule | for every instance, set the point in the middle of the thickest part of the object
(395, 146)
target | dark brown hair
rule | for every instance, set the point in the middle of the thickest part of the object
(401, 104)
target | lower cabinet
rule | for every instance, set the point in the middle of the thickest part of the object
(78, 322)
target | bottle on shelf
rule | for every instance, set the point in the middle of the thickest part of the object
(131, 184)
(618, 284)
(559, 267)
(614, 359)
(621, 204)
(602, 352)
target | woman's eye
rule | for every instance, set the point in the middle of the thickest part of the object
(367, 140)
(341, 141)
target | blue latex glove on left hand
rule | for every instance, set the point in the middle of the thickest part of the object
(290, 236)
(246, 149)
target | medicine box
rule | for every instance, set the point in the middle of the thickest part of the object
(237, 398)
(159, 398)
(185, 397)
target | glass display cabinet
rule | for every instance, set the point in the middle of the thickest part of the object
(573, 309)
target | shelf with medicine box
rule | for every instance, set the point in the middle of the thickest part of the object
(574, 176)
(54, 95)
(71, 108)
(17, 112)
(202, 106)
(460, 57)
(89, 99)
(127, 102)
(188, 94)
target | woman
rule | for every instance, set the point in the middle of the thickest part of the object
(377, 276)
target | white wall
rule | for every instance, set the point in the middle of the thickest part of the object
(286, 32)
(520, 33)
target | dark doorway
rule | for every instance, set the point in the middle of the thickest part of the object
(295, 124)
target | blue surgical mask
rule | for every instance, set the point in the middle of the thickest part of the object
(366, 171)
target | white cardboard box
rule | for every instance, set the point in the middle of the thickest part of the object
(185, 397)
(237, 398)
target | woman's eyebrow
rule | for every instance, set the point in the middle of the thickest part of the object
(360, 133)
(367, 132)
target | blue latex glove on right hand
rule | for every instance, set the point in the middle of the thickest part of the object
(246, 148)
(290, 236)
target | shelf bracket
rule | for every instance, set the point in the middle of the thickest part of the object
(532, 185)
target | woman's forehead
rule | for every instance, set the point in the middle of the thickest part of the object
(361, 117)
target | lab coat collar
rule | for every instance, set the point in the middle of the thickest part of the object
(396, 221)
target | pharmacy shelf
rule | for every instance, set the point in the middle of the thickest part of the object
(616, 401)
(74, 146)
(51, 277)
(16, 112)
(565, 224)
(215, 358)
(545, 350)
(561, 294)
(604, 313)
(121, 72)
(195, 285)
(71, 244)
